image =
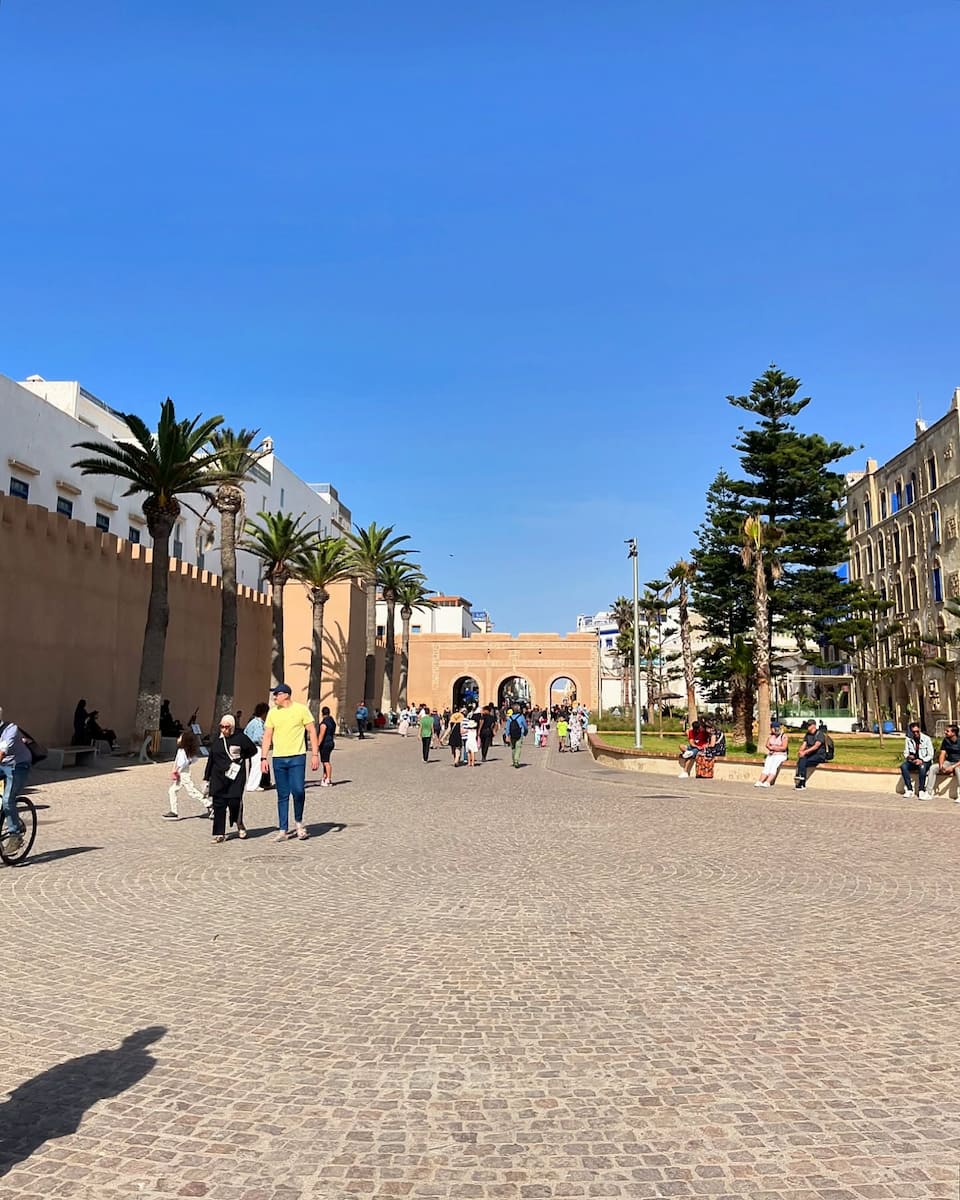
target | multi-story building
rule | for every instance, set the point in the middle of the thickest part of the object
(902, 525)
(449, 614)
(42, 420)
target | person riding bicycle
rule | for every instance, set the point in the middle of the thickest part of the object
(15, 763)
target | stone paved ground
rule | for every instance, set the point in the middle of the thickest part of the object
(554, 982)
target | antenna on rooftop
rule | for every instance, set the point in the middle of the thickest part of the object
(921, 424)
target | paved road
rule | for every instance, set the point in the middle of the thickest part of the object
(552, 982)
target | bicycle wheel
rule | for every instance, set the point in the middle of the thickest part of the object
(14, 847)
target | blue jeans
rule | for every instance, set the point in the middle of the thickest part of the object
(290, 776)
(906, 768)
(810, 760)
(14, 778)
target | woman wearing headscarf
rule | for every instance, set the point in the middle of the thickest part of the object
(226, 776)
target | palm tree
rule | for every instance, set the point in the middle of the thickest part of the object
(412, 594)
(175, 461)
(394, 577)
(372, 548)
(760, 536)
(621, 612)
(326, 563)
(682, 574)
(237, 458)
(279, 541)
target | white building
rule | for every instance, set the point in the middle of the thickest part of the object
(450, 614)
(41, 422)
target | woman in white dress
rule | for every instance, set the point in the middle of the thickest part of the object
(468, 727)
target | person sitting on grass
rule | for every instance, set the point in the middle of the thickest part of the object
(917, 756)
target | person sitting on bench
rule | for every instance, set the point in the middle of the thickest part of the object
(95, 732)
(812, 752)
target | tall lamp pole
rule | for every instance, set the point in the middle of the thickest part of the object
(632, 553)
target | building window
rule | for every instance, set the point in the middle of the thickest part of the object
(103, 522)
(177, 547)
(281, 497)
(883, 506)
(855, 522)
(899, 594)
(881, 553)
(911, 538)
(200, 559)
(64, 506)
(912, 489)
(914, 591)
(867, 514)
(935, 525)
(133, 535)
(937, 579)
(381, 630)
(856, 564)
(896, 546)
(932, 472)
(896, 497)
(414, 628)
(869, 558)
(19, 488)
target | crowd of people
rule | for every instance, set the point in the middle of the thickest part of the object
(471, 729)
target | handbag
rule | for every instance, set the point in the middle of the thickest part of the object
(37, 752)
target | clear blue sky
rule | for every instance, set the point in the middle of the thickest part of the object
(491, 269)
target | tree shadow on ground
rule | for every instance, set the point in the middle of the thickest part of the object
(53, 1103)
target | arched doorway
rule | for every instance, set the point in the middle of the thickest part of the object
(562, 692)
(514, 692)
(466, 693)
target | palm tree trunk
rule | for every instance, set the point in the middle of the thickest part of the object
(686, 647)
(761, 648)
(390, 654)
(150, 684)
(405, 615)
(227, 668)
(276, 605)
(316, 659)
(370, 659)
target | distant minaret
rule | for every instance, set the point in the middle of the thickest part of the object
(921, 425)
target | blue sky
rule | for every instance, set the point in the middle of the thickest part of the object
(490, 269)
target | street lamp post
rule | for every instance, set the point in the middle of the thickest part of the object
(632, 553)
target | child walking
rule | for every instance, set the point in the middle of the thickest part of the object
(188, 752)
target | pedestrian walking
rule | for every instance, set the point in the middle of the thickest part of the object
(426, 733)
(455, 736)
(254, 731)
(487, 728)
(327, 734)
(283, 733)
(575, 733)
(362, 714)
(226, 775)
(516, 732)
(470, 741)
(563, 730)
(188, 752)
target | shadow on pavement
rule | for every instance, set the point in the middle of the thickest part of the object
(53, 1103)
(323, 827)
(46, 856)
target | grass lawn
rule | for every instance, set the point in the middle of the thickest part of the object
(853, 749)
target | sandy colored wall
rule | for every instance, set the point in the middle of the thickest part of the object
(344, 632)
(437, 660)
(73, 606)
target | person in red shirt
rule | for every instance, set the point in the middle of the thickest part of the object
(698, 739)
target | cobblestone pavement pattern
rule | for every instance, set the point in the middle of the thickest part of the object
(551, 982)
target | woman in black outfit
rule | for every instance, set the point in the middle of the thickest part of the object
(226, 775)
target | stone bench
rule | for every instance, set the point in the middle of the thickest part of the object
(68, 756)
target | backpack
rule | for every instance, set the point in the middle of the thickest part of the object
(514, 728)
(828, 746)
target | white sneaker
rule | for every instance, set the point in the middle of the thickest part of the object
(684, 775)
(759, 783)
(924, 796)
(763, 785)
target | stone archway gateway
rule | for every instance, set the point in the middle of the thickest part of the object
(439, 660)
(466, 692)
(514, 692)
(563, 690)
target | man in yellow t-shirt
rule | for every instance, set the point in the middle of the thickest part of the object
(283, 732)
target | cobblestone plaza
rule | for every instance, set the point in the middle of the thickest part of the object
(552, 982)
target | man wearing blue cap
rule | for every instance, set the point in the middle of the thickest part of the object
(283, 732)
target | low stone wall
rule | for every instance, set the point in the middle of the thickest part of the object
(835, 776)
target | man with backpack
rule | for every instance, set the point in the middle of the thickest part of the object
(516, 731)
(812, 752)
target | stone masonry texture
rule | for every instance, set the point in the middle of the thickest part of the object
(549, 982)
